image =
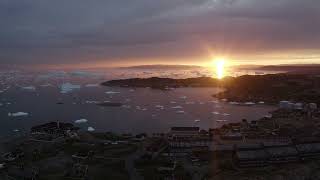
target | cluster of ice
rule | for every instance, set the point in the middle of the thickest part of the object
(68, 87)
(18, 114)
(180, 112)
(79, 121)
(85, 74)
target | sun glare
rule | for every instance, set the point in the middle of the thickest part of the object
(220, 67)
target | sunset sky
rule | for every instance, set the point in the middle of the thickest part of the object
(97, 33)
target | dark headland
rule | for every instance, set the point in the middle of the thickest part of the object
(270, 88)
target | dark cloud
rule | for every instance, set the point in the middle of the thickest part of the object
(75, 31)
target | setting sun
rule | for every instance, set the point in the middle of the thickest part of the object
(220, 67)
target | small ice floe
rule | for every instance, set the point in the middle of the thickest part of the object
(16, 130)
(92, 102)
(201, 103)
(132, 90)
(153, 115)
(127, 100)
(1, 91)
(91, 85)
(197, 120)
(268, 116)
(180, 112)
(46, 85)
(189, 102)
(225, 114)
(234, 103)
(17, 114)
(224, 100)
(215, 101)
(159, 107)
(29, 88)
(173, 102)
(249, 103)
(68, 87)
(221, 120)
(126, 106)
(144, 109)
(1, 104)
(215, 113)
(112, 92)
(183, 97)
(91, 129)
(261, 102)
(177, 107)
(79, 121)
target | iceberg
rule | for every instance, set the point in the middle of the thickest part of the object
(68, 87)
(249, 103)
(234, 103)
(17, 114)
(112, 92)
(221, 120)
(29, 88)
(79, 121)
(180, 112)
(177, 107)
